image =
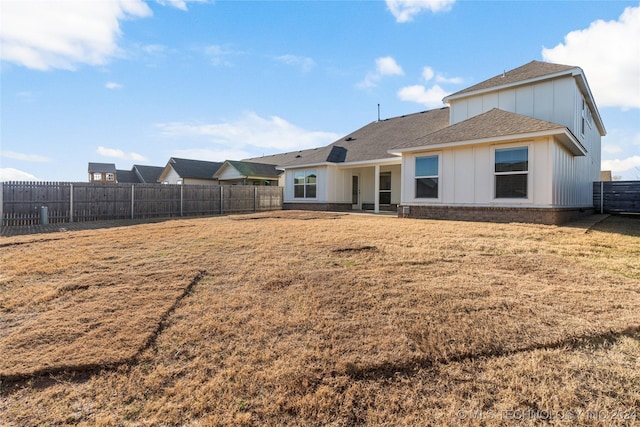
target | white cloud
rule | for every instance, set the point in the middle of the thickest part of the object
(608, 52)
(621, 165)
(219, 55)
(449, 80)
(431, 97)
(119, 154)
(271, 134)
(11, 174)
(405, 10)
(611, 149)
(427, 73)
(179, 4)
(62, 34)
(306, 64)
(25, 157)
(113, 85)
(385, 66)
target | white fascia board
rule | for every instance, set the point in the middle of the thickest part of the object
(305, 166)
(569, 72)
(565, 137)
(388, 161)
(581, 80)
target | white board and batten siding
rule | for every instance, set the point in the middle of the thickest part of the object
(558, 101)
(466, 175)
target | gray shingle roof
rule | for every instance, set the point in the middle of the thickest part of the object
(196, 169)
(102, 167)
(127, 177)
(251, 169)
(370, 142)
(148, 174)
(532, 70)
(492, 124)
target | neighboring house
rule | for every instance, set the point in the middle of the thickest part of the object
(102, 172)
(139, 174)
(521, 146)
(186, 171)
(247, 173)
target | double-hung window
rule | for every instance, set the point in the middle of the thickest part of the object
(512, 173)
(304, 184)
(427, 177)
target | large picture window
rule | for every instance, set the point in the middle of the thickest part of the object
(512, 172)
(304, 184)
(427, 177)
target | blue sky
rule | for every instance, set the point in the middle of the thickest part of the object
(132, 82)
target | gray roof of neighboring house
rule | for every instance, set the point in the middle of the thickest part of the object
(148, 174)
(196, 169)
(532, 70)
(252, 169)
(102, 167)
(371, 142)
(127, 177)
(492, 124)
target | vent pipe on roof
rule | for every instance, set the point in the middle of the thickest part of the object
(378, 112)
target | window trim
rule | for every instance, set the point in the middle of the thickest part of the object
(527, 173)
(306, 173)
(438, 155)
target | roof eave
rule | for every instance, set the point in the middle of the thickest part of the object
(384, 161)
(562, 134)
(304, 165)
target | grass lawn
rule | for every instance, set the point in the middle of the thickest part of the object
(307, 318)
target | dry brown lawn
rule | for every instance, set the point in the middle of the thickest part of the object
(294, 318)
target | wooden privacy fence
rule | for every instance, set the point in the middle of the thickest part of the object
(616, 196)
(31, 203)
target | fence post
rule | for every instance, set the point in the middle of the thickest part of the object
(255, 198)
(221, 199)
(71, 202)
(1, 204)
(133, 186)
(181, 198)
(601, 197)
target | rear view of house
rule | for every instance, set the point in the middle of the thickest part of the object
(521, 146)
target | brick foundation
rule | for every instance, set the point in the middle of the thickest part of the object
(333, 207)
(549, 216)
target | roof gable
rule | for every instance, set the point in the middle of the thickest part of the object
(532, 71)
